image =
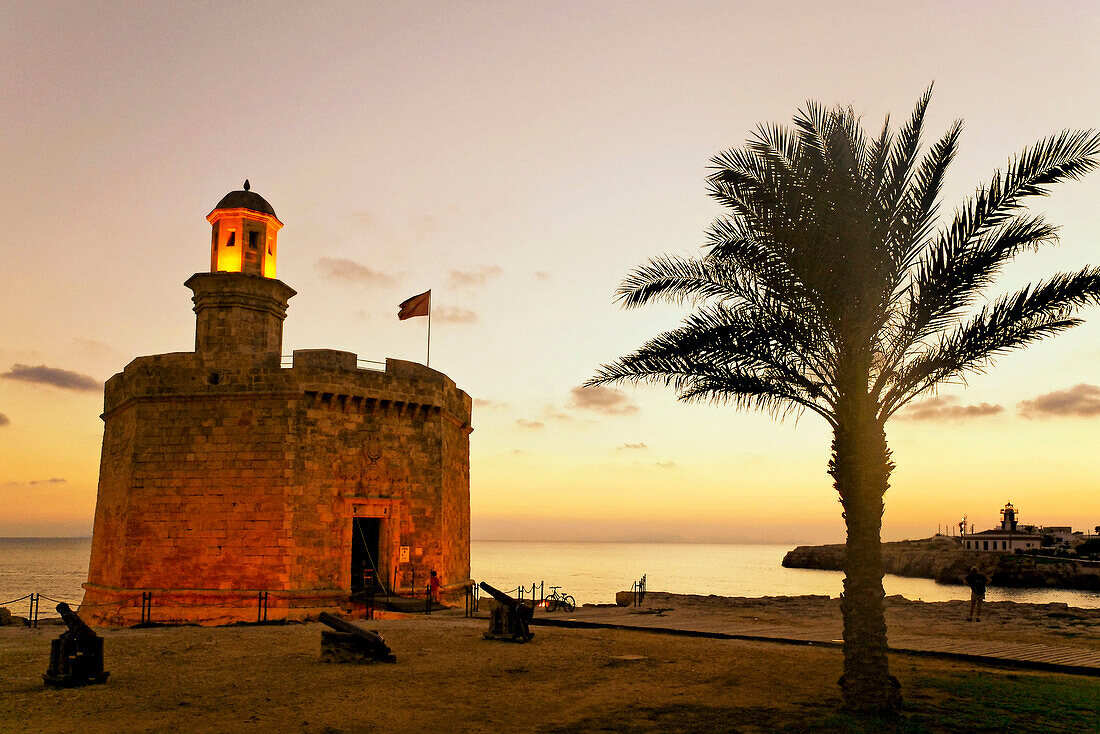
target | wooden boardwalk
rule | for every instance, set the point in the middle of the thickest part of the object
(1059, 658)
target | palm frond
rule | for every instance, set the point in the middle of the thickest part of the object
(904, 154)
(1011, 322)
(675, 280)
(915, 216)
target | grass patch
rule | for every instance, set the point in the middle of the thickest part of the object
(993, 701)
(985, 702)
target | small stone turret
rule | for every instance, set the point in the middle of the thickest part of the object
(239, 305)
(245, 234)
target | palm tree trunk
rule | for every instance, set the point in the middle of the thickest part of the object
(860, 468)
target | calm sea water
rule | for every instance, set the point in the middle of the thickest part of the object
(591, 572)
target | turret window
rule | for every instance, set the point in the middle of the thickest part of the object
(232, 239)
(253, 240)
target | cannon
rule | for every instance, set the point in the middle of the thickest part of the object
(349, 643)
(76, 656)
(509, 621)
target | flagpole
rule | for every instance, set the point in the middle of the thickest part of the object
(428, 358)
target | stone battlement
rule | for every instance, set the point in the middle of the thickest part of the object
(320, 376)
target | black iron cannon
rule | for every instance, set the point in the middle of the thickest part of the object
(510, 620)
(76, 656)
(350, 643)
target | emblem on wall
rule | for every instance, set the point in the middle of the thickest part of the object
(369, 472)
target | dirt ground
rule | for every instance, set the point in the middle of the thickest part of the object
(1006, 621)
(449, 679)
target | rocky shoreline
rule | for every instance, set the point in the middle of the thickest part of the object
(942, 560)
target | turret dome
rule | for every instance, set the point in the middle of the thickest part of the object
(246, 199)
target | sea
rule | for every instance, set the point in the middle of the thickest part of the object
(590, 572)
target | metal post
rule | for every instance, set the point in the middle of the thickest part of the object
(428, 597)
(31, 610)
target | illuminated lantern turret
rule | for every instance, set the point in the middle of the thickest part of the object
(240, 304)
(245, 234)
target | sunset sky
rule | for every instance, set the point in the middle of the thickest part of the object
(518, 159)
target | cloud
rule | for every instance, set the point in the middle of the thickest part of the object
(542, 275)
(454, 315)
(489, 404)
(51, 480)
(349, 271)
(97, 350)
(524, 423)
(556, 415)
(43, 375)
(4, 420)
(602, 400)
(665, 464)
(1080, 400)
(944, 409)
(473, 278)
(632, 446)
(423, 225)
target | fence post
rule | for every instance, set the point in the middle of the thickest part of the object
(32, 611)
(428, 598)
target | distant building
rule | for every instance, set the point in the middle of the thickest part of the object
(1009, 538)
(233, 481)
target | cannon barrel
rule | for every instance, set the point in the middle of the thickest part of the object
(343, 625)
(500, 596)
(73, 621)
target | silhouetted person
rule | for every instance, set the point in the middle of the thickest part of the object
(433, 586)
(977, 582)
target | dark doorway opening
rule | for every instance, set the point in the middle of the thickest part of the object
(364, 554)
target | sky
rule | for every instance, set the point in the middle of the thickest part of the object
(518, 159)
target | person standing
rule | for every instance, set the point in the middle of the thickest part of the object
(977, 582)
(433, 587)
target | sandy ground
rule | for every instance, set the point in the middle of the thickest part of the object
(449, 679)
(1006, 621)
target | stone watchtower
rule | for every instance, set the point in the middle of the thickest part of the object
(225, 474)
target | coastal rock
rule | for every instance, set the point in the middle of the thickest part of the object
(943, 560)
(5, 616)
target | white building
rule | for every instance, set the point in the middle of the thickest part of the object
(1006, 539)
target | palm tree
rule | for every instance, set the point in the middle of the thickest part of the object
(827, 287)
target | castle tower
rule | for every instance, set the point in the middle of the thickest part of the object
(233, 487)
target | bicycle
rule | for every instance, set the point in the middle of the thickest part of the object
(555, 600)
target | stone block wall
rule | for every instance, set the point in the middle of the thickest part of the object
(223, 475)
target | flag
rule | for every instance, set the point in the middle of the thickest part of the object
(415, 306)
